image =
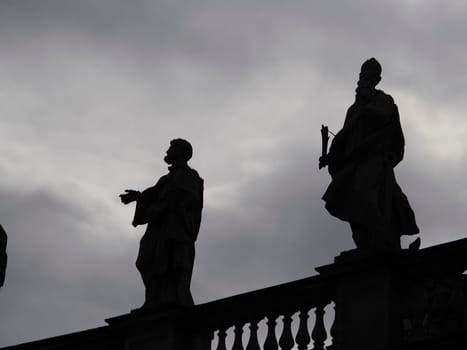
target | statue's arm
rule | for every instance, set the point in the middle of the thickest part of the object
(385, 108)
(149, 204)
(398, 140)
(130, 196)
(152, 203)
(147, 195)
(147, 207)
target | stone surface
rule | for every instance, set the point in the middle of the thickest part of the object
(366, 299)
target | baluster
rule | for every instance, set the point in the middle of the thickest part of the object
(221, 335)
(238, 331)
(286, 341)
(333, 331)
(253, 342)
(303, 336)
(319, 334)
(271, 341)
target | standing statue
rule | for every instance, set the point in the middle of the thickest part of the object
(3, 256)
(172, 211)
(361, 161)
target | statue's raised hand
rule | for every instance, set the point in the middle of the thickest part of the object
(129, 196)
(323, 161)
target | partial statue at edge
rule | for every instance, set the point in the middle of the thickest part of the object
(3, 255)
(364, 190)
(172, 211)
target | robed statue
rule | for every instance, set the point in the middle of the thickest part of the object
(172, 211)
(3, 255)
(361, 161)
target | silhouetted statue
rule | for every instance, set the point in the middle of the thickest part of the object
(364, 191)
(3, 256)
(172, 211)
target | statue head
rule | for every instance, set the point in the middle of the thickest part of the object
(370, 73)
(180, 151)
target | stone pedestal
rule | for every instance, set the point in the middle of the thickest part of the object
(145, 329)
(367, 300)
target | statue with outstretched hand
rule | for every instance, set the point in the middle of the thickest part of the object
(171, 209)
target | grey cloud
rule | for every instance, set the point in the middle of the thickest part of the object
(231, 42)
(61, 277)
(437, 191)
(272, 234)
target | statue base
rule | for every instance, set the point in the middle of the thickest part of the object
(366, 285)
(153, 328)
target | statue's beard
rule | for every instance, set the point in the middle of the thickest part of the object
(365, 86)
(168, 159)
(365, 91)
(365, 83)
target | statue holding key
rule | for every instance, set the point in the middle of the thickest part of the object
(361, 161)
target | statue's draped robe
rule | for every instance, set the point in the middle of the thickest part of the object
(364, 191)
(3, 255)
(172, 209)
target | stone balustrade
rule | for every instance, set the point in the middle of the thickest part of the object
(389, 301)
(287, 305)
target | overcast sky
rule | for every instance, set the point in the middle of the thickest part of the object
(92, 91)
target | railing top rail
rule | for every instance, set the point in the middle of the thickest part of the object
(272, 301)
(445, 258)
